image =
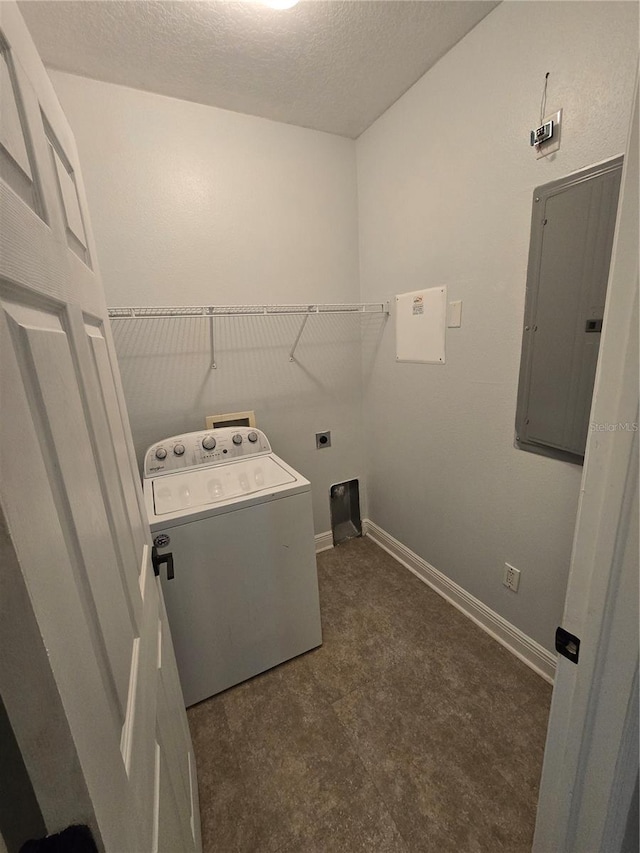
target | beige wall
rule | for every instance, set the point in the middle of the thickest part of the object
(196, 205)
(445, 182)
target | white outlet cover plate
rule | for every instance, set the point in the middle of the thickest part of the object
(508, 568)
(554, 143)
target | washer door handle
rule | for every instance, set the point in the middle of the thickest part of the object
(159, 559)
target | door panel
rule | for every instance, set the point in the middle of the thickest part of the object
(103, 378)
(177, 767)
(65, 682)
(15, 162)
(42, 350)
(179, 726)
(87, 686)
(138, 741)
(11, 132)
(109, 449)
(67, 196)
(171, 838)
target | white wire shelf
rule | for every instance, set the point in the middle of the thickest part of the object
(210, 312)
(160, 312)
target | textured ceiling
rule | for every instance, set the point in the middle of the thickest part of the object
(332, 65)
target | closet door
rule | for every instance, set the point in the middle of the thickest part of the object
(87, 671)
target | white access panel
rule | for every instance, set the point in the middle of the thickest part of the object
(421, 318)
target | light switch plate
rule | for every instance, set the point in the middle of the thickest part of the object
(455, 314)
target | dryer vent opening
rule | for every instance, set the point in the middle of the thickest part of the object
(345, 511)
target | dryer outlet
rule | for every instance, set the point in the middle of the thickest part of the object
(323, 439)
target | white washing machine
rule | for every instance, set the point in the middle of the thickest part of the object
(233, 534)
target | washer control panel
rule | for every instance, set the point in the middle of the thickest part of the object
(211, 447)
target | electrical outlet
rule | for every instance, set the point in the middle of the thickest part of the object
(511, 577)
(323, 439)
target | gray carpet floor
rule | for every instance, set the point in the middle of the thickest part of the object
(409, 729)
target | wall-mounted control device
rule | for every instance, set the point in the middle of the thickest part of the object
(542, 134)
(545, 139)
(223, 444)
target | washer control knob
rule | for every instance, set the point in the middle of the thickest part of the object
(178, 449)
(161, 453)
(253, 437)
(237, 438)
(208, 442)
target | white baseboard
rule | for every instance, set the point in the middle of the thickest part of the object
(518, 643)
(324, 541)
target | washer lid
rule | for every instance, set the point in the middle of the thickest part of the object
(206, 486)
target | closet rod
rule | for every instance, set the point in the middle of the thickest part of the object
(161, 312)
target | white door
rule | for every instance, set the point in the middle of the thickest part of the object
(87, 671)
(588, 786)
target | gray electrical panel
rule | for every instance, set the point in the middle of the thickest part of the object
(572, 228)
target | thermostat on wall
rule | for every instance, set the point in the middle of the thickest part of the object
(545, 139)
(542, 134)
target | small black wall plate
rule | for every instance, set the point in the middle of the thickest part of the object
(568, 645)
